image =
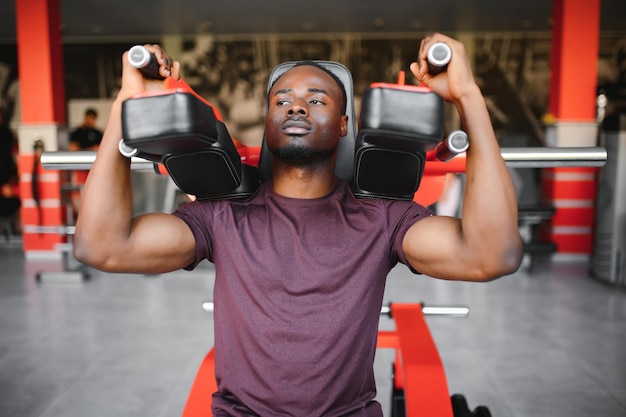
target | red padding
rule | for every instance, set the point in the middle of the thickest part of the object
(425, 384)
(200, 397)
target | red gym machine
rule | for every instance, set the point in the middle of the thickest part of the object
(399, 151)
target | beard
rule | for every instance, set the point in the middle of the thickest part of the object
(299, 154)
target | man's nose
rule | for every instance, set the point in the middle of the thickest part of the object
(297, 107)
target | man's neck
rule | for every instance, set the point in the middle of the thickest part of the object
(298, 182)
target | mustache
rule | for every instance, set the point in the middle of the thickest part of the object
(296, 120)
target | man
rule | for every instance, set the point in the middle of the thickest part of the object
(301, 265)
(87, 136)
(8, 152)
(9, 196)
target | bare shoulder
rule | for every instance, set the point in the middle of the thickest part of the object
(155, 243)
(432, 241)
(430, 230)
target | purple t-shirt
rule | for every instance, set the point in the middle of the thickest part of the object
(298, 292)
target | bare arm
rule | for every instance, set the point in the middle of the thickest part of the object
(107, 237)
(485, 243)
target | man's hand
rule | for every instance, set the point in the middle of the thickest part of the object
(452, 84)
(133, 81)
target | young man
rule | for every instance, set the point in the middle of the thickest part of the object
(87, 136)
(301, 265)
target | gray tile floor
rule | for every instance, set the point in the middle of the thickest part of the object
(547, 344)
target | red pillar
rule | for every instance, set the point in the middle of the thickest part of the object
(43, 111)
(572, 103)
(574, 66)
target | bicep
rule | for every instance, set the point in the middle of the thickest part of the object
(157, 243)
(434, 247)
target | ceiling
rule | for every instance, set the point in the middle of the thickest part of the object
(112, 20)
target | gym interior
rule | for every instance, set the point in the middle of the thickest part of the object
(545, 341)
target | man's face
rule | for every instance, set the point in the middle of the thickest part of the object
(304, 119)
(90, 120)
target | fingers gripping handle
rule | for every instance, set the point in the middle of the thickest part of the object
(438, 57)
(141, 58)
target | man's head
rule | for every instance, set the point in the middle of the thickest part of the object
(90, 117)
(326, 70)
(306, 114)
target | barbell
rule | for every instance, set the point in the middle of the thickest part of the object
(532, 157)
(427, 310)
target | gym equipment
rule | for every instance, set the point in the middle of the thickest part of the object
(70, 271)
(141, 58)
(420, 385)
(433, 179)
(538, 157)
(397, 126)
(182, 131)
(419, 381)
(438, 57)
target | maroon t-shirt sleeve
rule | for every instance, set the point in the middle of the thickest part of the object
(198, 216)
(405, 214)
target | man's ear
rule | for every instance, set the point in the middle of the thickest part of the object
(344, 125)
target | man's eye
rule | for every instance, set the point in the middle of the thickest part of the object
(281, 102)
(315, 101)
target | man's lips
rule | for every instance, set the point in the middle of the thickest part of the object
(295, 127)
